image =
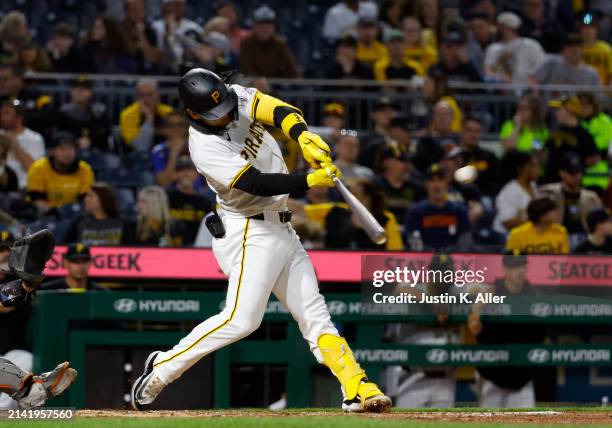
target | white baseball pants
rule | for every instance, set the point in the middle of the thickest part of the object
(260, 257)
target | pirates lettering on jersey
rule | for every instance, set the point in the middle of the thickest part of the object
(253, 142)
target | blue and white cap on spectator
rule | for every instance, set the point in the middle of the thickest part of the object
(217, 40)
(264, 14)
(454, 38)
(510, 20)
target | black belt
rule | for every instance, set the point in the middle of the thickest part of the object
(283, 216)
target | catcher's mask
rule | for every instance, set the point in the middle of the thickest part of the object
(30, 254)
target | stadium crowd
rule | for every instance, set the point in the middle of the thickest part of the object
(544, 189)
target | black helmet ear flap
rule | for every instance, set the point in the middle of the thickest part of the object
(30, 254)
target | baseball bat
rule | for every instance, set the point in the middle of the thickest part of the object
(372, 227)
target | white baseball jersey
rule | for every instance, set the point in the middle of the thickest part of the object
(223, 158)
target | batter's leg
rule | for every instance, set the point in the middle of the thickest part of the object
(261, 252)
(298, 290)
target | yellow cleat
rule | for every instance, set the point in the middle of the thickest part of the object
(373, 399)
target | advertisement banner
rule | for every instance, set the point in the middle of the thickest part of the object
(331, 266)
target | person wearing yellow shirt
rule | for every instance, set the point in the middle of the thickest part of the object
(60, 178)
(140, 123)
(415, 49)
(542, 234)
(395, 66)
(596, 53)
(369, 50)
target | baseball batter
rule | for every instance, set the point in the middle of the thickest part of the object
(254, 243)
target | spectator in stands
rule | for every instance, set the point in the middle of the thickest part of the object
(527, 130)
(213, 54)
(13, 32)
(32, 58)
(574, 201)
(454, 62)
(141, 37)
(395, 65)
(382, 114)
(227, 9)
(8, 178)
(537, 25)
(435, 88)
(437, 139)
(62, 49)
(334, 119)
(390, 16)
(400, 133)
(59, 178)
(369, 49)
(101, 224)
(12, 87)
(26, 145)
(513, 59)
(569, 137)
(415, 49)
(480, 36)
(397, 182)
(499, 385)
(542, 234)
(140, 122)
(599, 239)
(106, 47)
(428, 13)
(77, 262)
(84, 118)
(511, 202)
(437, 222)
(263, 52)
(485, 161)
(596, 53)
(187, 207)
(567, 68)
(346, 65)
(343, 16)
(346, 152)
(154, 225)
(599, 125)
(164, 155)
(344, 230)
(173, 32)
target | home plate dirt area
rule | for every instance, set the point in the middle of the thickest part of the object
(548, 417)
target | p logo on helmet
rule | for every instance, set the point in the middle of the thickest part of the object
(215, 96)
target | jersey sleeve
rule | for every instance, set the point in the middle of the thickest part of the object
(218, 163)
(36, 179)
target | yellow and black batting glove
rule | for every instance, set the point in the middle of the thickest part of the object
(324, 175)
(315, 151)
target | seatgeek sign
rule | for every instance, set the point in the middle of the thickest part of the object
(331, 266)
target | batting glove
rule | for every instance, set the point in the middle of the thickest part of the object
(314, 149)
(323, 176)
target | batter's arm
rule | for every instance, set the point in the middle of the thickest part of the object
(257, 183)
(253, 181)
(274, 112)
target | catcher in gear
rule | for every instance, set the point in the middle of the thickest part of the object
(26, 265)
(254, 244)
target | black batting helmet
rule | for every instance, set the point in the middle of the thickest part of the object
(205, 94)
